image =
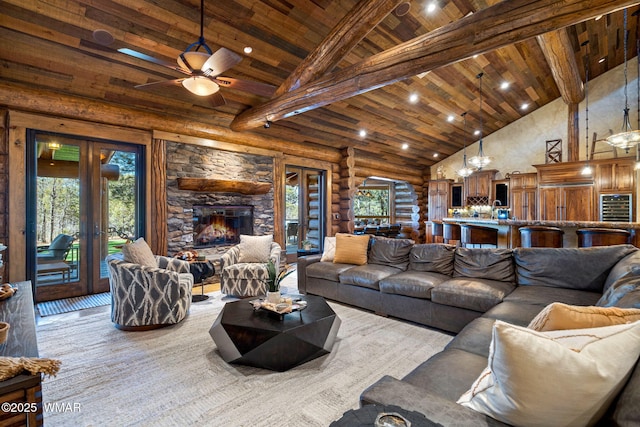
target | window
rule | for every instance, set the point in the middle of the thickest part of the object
(373, 204)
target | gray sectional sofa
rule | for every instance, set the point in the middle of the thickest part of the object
(465, 291)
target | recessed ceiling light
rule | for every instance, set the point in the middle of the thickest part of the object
(413, 98)
(435, 154)
(477, 132)
(504, 85)
(431, 7)
(475, 56)
(524, 106)
(405, 146)
(248, 50)
(601, 60)
(450, 118)
(363, 133)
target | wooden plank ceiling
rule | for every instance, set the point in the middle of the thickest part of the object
(50, 44)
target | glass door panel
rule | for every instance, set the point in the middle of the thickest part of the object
(85, 202)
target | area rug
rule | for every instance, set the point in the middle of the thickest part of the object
(175, 376)
(66, 305)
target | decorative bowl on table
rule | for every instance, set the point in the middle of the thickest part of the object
(4, 331)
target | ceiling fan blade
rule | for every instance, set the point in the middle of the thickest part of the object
(153, 60)
(176, 82)
(221, 60)
(217, 100)
(262, 89)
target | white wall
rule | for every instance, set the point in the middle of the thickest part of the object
(522, 144)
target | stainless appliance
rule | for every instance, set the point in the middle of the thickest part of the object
(616, 207)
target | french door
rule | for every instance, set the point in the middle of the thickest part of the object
(305, 210)
(85, 200)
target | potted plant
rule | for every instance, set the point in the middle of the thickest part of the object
(306, 245)
(274, 280)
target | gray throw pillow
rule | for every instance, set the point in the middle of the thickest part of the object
(391, 252)
(139, 252)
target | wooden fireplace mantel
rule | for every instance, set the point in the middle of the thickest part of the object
(223, 186)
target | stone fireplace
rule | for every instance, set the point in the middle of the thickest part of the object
(190, 161)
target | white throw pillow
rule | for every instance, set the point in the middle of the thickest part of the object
(558, 378)
(139, 252)
(329, 249)
(255, 248)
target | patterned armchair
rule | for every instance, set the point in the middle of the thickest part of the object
(246, 279)
(145, 297)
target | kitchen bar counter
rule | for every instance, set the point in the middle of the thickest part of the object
(509, 236)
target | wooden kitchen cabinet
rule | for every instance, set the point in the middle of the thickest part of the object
(616, 175)
(438, 198)
(478, 184)
(567, 203)
(523, 188)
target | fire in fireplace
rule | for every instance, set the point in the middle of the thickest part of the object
(220, 225)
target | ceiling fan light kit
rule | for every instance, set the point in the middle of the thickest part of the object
(200, 85)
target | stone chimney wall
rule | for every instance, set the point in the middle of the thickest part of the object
(185, 160)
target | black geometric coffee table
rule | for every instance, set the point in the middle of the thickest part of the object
(260, 339)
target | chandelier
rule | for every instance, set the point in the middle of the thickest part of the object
(465, 170)
(626, 138)
(480, 160)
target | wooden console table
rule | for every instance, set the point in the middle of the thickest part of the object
(21, 342)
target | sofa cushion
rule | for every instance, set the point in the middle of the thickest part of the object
(627, 410)
(473, 294)
(490, 264)
(558, 316)
(624, 293)
(549, 389)
(475, 337)
(515, 313)
(545, 295)
(327, 270)
(627, 266)
(329, 251)
(437, 258)
(574, 268)
(391, 252)
(448, 373)
(416, 284)
(351, 249)
(367, 276)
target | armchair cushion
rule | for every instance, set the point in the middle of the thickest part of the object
(255, 248)
(139, 252)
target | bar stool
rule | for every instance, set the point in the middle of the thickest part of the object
(588, 237)
(437, 230)
(478, 235)
(537, 236)
(450, 231)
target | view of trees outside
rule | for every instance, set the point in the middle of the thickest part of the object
(59, 202)
(291, 202)
(373, 203)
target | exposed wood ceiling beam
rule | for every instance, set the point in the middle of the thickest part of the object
(557, 49)
(355, 25)
(500, 25)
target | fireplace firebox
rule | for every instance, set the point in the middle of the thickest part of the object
(220, 225)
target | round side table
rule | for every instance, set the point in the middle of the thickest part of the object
(201, 270)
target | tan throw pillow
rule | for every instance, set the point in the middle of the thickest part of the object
(558, 316)
(139, 252)
(554, 378)
(255, 248)
(329, 249)
(351, 249)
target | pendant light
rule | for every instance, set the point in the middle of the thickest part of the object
(627, 138)
(480, 160)
(587, 168)
(465, 170)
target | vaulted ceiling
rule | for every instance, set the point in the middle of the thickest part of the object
(50, 44)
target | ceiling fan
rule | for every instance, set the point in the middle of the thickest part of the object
(203, 69)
